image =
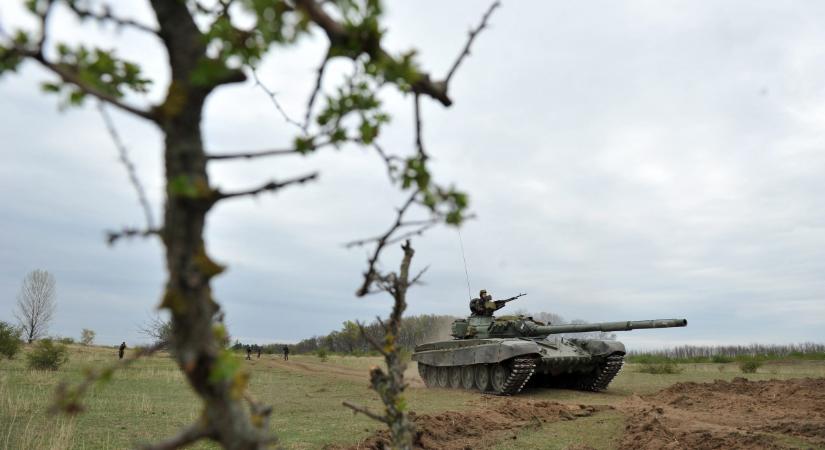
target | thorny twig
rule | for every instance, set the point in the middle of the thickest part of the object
(268, 187)
(319, 78)
(473, 33)
(113, 236)
(419, 145)
(381, 241)
(123, 156)
(365, 411)
(273, 97)
(273, 152)
(389, 161)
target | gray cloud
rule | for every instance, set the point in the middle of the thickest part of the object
(625, 160)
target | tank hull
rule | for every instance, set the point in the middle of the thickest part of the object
(511, 363)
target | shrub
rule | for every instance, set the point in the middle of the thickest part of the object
(87, 336)
(721, 359)
(660, 368)
(9, 340)
(48, 355)
(322, 353)
(749, 366)
(65, 340)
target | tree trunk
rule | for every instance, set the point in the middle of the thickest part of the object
(188, 295)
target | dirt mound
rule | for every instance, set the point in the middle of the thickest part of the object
(740, 414)
(454, 430)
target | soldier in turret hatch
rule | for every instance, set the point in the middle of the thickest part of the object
(484, 305)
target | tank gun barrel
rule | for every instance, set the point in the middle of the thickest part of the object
(607, 326)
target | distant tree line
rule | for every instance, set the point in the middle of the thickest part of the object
(726, 353)
(414, 330)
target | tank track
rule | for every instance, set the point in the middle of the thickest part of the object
(522, 369)
(604, 374)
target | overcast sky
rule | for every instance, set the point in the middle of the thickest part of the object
(625, 161)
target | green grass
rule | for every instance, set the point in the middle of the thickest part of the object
(150, 401)
(659, 359)
(661, 368)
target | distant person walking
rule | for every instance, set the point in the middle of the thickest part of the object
(121, 350)
(248, 352)
(286, 353)
(259, 351)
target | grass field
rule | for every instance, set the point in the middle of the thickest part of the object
(149, 401)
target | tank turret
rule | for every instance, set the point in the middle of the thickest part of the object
(481, 327)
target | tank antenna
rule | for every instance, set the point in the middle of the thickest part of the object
(466, 272)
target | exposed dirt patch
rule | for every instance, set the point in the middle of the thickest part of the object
(740, 414)
(453, 430)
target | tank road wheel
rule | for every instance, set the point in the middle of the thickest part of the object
(467, 378)
(455, 377)
(422, 372)
(442, 376)
(482, 377)
(498, 377)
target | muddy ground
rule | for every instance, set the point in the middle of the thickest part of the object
(741, 414)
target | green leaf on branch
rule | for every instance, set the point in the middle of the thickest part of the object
(225, 367)
(304, 145)
(96, 69)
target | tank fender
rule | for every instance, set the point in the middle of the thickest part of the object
(487, 353)
(599, 347)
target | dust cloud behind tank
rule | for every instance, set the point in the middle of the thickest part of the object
(503, 354)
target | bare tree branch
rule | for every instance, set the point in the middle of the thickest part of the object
(425, 225)
(44, 18)
(268, 187)
(273, 97)
(318, 82)
(123, 155)
(113, 236)
(381, 241)
(473, 33)
(417, 232)
(389, 161)
(417, 279)
(365, 411)
(419, 145)
(264, 153)
(107, 16)
(254, 154)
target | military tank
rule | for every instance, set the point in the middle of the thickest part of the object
(501, 355)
